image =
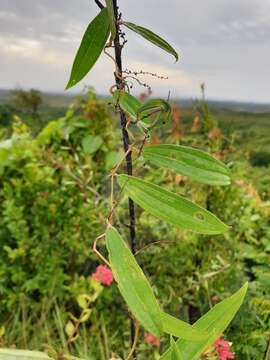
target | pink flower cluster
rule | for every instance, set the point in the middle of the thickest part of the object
(151, 339)
(103, 275)
(223, 349)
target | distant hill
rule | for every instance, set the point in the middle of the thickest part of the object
(4, 95)
(60, 100)
(229, 105)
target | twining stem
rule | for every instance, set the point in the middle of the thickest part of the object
(126, 144)
(133, 348)
(267, 351)
(99, 4)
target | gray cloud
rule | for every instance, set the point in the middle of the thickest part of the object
(224, 43)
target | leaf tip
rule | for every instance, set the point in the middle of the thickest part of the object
(245, 287)
(176, 57)
(241, 293)
(70, 84)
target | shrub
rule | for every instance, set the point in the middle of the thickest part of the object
(260, 158)
(52, 199)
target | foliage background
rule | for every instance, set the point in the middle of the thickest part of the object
(54, 190)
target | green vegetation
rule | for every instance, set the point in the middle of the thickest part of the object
(198, 229)
(54, 198)
(163, 204)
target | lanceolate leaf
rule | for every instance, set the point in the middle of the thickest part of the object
(214, 322)
(138, 293)
(175, 352)
(153, 38)
(133, 284)
(180, 329)
(170, 207)
(127, 102)
(191, 162)
(8, 354)
(91, 47)
(109, 5)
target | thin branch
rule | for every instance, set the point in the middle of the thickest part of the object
(137, 329)
(126, 145)
(97, 252)
(139, 82)
(141, 72)
(99, 4)
(123, 120)
(267, 352)
(161, 242)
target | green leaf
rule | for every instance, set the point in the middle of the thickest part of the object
(154, 105)
(110, 8)
(113, 158)
(175, 353)
(181, 329)
(8, 354)
(91, 47)
(85, 315)
(170, 207)
(127, 102)
(91, 144)
(69, 328)
(214, 322)
(132, 283)
(154, 113)
(153, 38)
(191, 162)
(83, 300)
(138, 293)
(2, 331)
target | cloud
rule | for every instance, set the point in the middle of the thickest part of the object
(34, 51)
(224, 43)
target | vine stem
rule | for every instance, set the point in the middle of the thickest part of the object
(267, 351)
(99, 4)
(133, 348)
(126, 145)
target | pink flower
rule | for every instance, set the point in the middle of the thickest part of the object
(151, 339)
(223, 349)
(103, 275)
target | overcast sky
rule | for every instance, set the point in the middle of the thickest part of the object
(224, 43)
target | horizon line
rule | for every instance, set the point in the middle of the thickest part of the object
(184, 98)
